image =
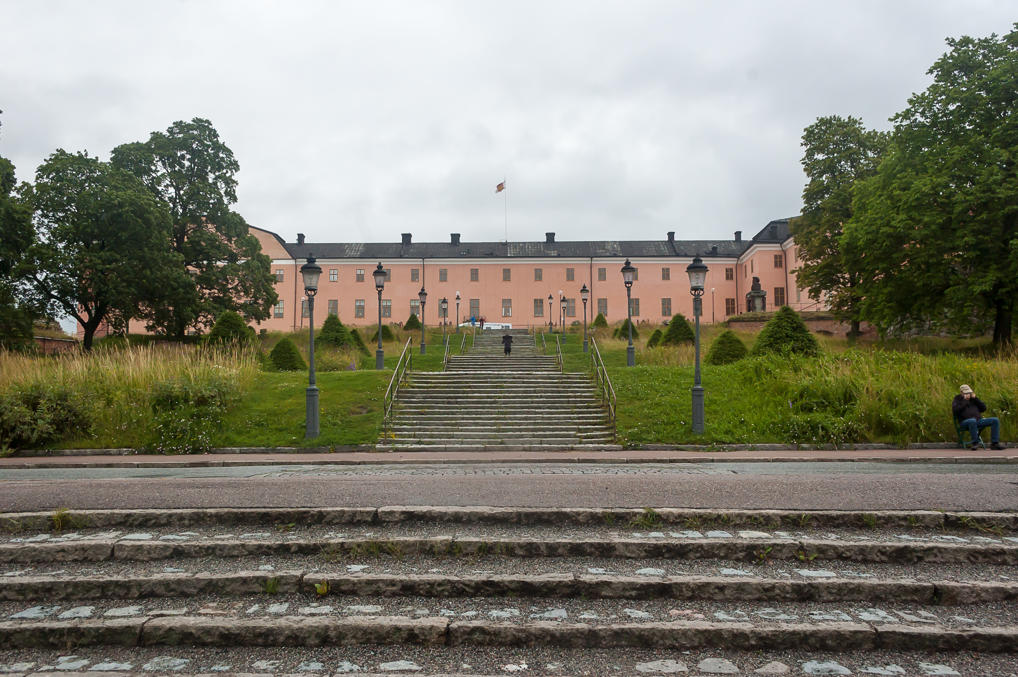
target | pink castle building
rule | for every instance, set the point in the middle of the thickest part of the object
(510, 282)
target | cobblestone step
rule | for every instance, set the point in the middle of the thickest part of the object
(423, 584)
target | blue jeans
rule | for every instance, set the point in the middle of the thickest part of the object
(975, 425)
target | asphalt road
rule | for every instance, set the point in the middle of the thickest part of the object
(818, 486)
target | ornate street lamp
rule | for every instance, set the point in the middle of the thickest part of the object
(423, 296)
(628, 275)
(457, 312)
(443, 307)
(697, 272)
(551, 321)
(311, 271)
(379, 275)
(562, 312)
(584, 294)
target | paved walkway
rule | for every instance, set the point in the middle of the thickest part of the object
(268, 457)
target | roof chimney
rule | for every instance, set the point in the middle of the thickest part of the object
(671, 236)
(549, 237)
(454, 238)
(406, 238)
(300, 238)
(738, 236)
(713, 250)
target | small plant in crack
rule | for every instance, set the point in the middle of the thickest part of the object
(270, 586)
(322, 588)
(648, 519)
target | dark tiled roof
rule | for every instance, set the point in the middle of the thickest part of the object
(579, 249)
(775, 231)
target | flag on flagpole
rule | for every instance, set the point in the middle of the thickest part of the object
(500, 187)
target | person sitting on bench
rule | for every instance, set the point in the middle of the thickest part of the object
(968, 411)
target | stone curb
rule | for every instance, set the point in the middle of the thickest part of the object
(437, 631)
(635, 518)
(747, 550)
(947, 593)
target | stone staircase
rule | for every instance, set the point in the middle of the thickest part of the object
(486, 400)
(493, 591)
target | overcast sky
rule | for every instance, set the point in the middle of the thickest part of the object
(360, 121)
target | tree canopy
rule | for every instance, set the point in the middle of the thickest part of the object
(192, 172)
(935, 230)
(16, 234)
(102, 247)
(837, 153)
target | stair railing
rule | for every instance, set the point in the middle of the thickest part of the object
(558, 350)
(463, 342)
(445, 360)
(544, 344)
(604, 383)
(403, 365)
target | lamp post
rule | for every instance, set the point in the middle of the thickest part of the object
(551, 322)
(562, 312)
(379, 275)
(423, 296)
(628, 274)
(457, 312)
(584, 295)
(697, 272)
(712, 320)
(311, 271)
(443, 308)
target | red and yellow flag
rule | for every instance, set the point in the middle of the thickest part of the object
(500, 187)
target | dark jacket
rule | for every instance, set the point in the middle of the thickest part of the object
(970, 408)
(507, 340)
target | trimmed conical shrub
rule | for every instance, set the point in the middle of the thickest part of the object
(230, 328)
(286, 357)
(678, 332)
(654, 339)
(358, 341)
(599, 322)
(726, 348)
(334, 333)
(623, 331)
(387, 334)
(786, 333)
(411, 322)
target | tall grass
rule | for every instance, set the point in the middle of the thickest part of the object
(114, 386)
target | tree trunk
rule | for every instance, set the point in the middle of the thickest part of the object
(88, 331)
(1003, 322)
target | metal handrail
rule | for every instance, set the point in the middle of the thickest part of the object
(463, 342)
(445, 360)
(544, 344)
(405, 362)
(605, 384)
(558, 348)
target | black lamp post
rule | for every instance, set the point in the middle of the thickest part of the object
(311, 271)
(697, 272)
(562, 313)
(443, 307)
(584, 294)
(551, 321)
(423, 296)
(457, 312)
(379, 275)
(628, 274)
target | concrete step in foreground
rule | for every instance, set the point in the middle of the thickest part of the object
(586, 591)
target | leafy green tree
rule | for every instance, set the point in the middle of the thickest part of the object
(786, 333)
(599, 322)
(230, 328)
(103, 242)
(935, 231)
(412, 322)
(678, 332)
(358, 341)
(16, 234)
(193, 173)
(334, 333)
(285, 356)
(655, 338)
(726, 348)
(387, 334)
(838, 153)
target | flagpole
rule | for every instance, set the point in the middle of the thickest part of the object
(506, 209)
